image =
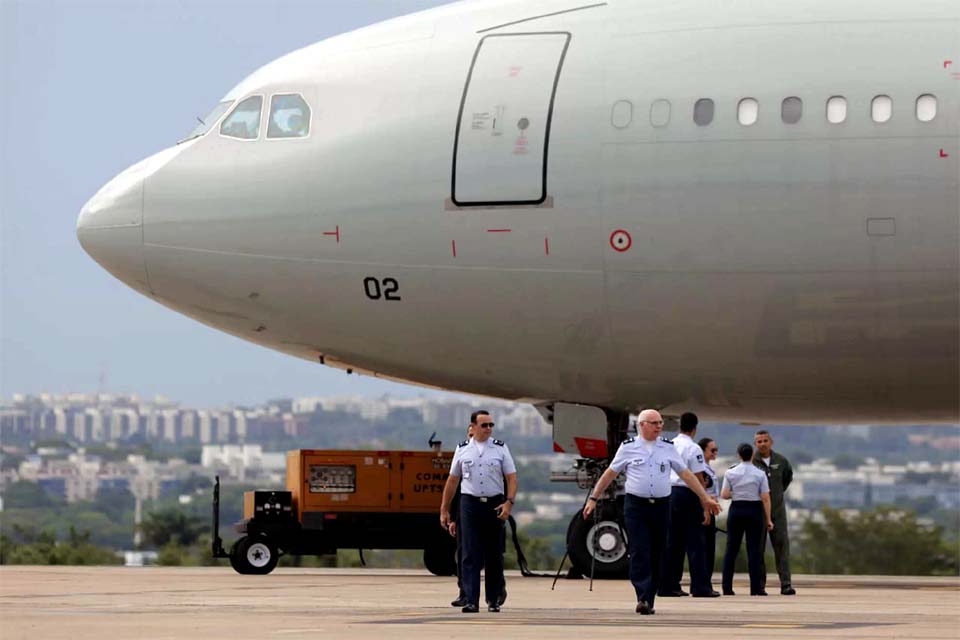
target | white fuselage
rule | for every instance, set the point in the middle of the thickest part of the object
(551, 172)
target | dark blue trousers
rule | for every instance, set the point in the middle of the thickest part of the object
(710, 547)
(745, 518)
(646, 523)
(483, 544)
(685, 539)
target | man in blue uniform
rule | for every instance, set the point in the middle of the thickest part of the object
(647, 461)
(482, 466)
(461, 600)
(685, 533)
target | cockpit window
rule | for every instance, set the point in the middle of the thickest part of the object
(289, 116)
(244, 121)
(207, 123)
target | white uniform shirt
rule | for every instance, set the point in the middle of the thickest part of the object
(648, 467)
(746, 482)
(481, 468)
(691, 454)
(714, 488)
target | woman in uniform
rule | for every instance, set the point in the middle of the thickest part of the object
(709, 446)
(749, 489)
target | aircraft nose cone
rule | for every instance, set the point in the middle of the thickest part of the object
(110, 229)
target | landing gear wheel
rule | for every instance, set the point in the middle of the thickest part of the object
(257, 555)
(440, 558)
(600, 543)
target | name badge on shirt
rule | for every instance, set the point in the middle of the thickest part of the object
(639, 461)
(663, 468)
(467, 467)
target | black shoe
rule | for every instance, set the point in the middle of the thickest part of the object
(493, 608)
(471, 608)
(500, 600)
(788, 591)
(460, 602)
(707, 594)
(759, 593)
(679, 593)
(728, 592)
(645, 609)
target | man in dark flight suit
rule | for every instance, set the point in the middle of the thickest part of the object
(779, 475)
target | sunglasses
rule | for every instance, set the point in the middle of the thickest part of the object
(486, 425)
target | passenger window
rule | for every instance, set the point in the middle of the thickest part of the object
(703, 111)
(926, 107)
(791, 110)
(244, 121)
(660, 113)
(836, 109)
(748, 111)
(289, 116)
(881, 109)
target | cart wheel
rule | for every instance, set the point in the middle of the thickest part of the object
(254, 555)
(238, 566)
(440, 559)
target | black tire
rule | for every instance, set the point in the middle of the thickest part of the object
(611, 546)
(440, 558)
(235, 559)
(256, 555)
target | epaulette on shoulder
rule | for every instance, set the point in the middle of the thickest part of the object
(662, 439)
(499, 442)
(628, 441)
(463, 444)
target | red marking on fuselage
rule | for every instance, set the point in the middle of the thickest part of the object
(591, 447)
(334, 233)
(546, 246)
(947, 63)
(498, 230)
(944, 154)
(557, 448)
(453, 245)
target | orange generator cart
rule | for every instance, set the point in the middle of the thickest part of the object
(345, 500)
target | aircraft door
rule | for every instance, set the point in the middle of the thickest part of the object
(503, 128)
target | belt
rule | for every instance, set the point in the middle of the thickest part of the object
(484, 498)
(649, 499)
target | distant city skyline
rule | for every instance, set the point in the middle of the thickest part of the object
(90, 87)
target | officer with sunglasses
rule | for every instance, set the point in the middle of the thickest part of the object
(482, 466)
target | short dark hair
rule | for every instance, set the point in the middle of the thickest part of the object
(745, 451)
(761, 432)
(476, 414)
(688, 422)
(703, 442)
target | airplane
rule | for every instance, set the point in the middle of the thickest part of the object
(746, 210)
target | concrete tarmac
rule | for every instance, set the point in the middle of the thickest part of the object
(159, 603)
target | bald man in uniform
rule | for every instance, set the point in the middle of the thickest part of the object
(647, 461)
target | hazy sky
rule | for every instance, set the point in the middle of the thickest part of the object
(89, 88)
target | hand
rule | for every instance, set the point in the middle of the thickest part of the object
(588, 508)
(503, 511)
(706, 516)
(711, 505)
(452, 529)
(769, 525)
(445, 519)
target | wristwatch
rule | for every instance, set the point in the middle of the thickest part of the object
(512, 500)
(594, 498)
